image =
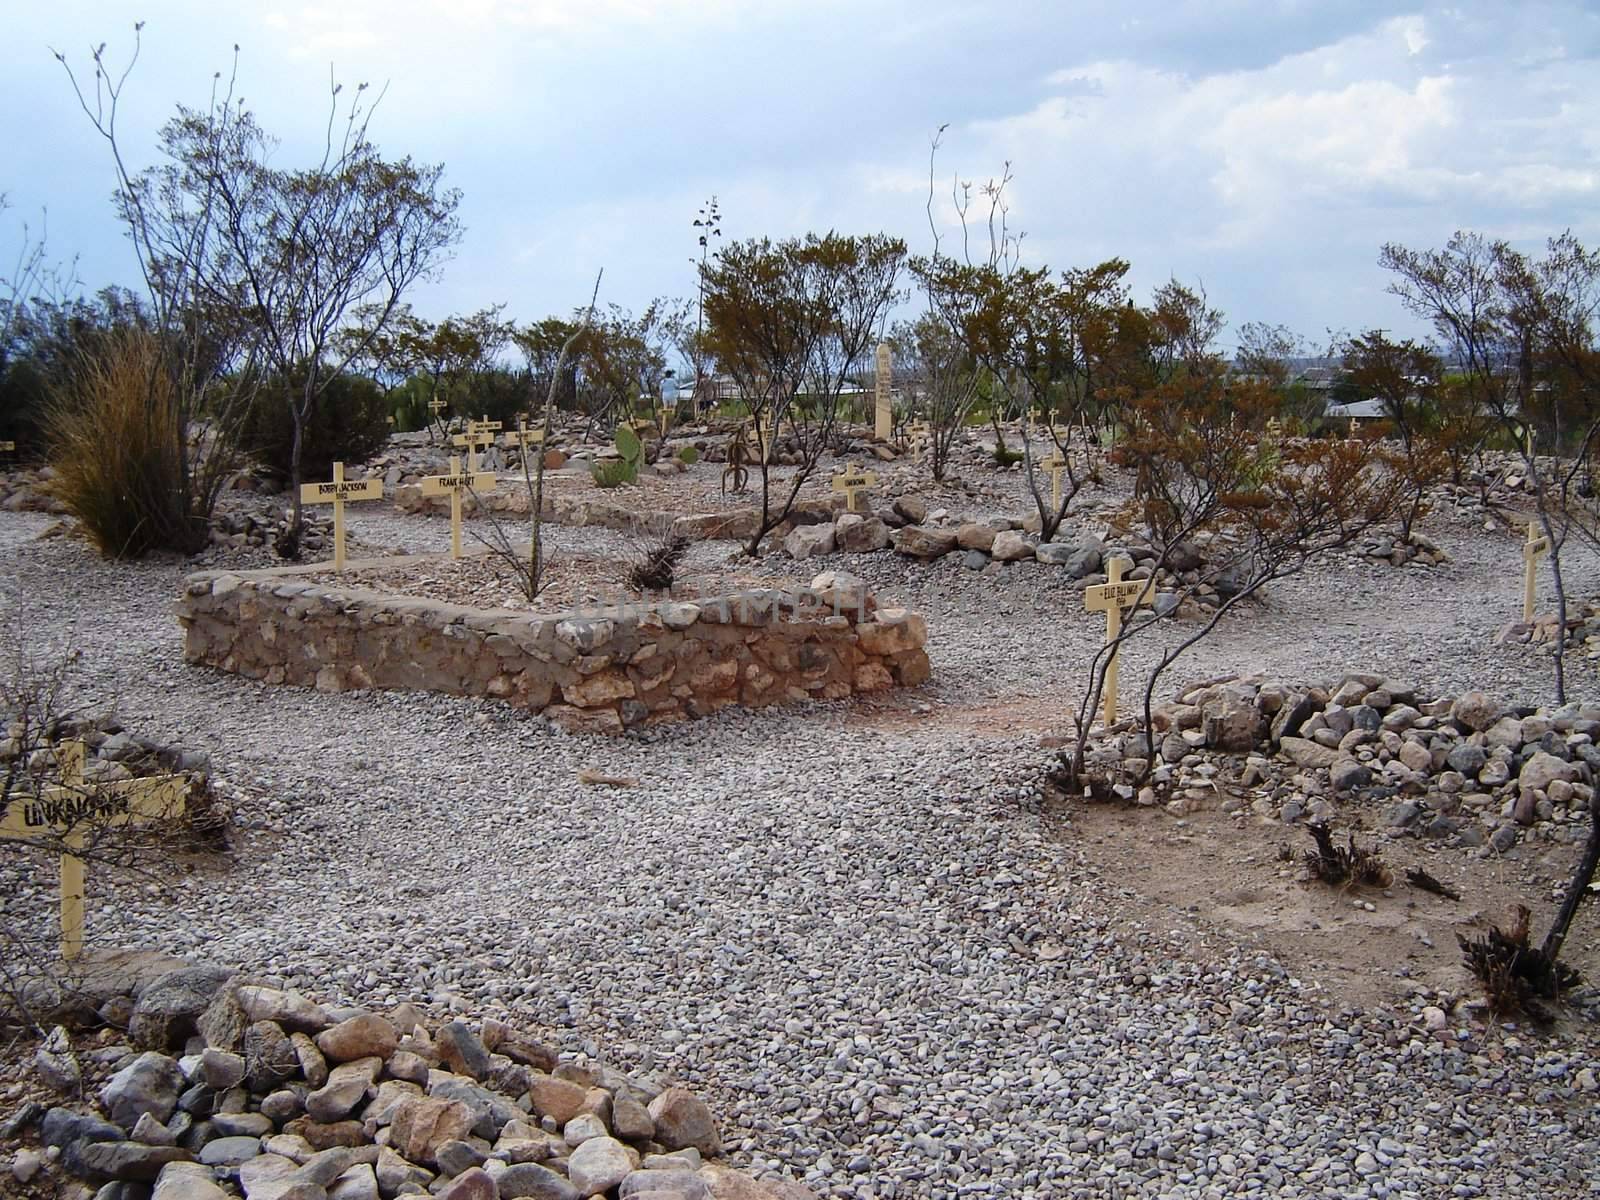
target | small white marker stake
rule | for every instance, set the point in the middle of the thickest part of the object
(1111, 598)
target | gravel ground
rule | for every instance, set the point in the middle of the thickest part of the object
(853, 929)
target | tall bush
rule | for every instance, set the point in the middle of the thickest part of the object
(115, 440)
(347, 422)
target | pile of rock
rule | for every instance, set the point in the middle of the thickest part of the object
(1583, 629)
(112, 752)
(230, 1088)
(24, 490)
(1466, 769)
(244, 530)
(1419, 551)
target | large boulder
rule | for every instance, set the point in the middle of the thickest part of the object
(976, 536)
(166, 1011)
(683, 1120)
(855, 534)
(920, 541)
(150, 1084)
(1010, 546)
(809, 541)
(1541, 770)
(1476, 711)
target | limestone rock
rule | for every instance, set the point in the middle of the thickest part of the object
(599, 1165)
(683, 1120)
(1476, 711)
(56, 1064)
(475, 1184)
(221, 1070)
(360, 1182)
(809, 541)
(1010, 546)
(132, 1161)
(913, 510)
(289, 1009)
(919, 541)
(461, 1051)
(975, 536)
(1542, 769)
(169, 1005)
(1307, 754)
(500, 1038)
(364, 1036)
(187, 1181)
(861, 535)
(150, 1084)
(346, 1087)
(530, 1181)
(631, 1120)
(422, 1125)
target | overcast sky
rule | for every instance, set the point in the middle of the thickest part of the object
(1265, 150)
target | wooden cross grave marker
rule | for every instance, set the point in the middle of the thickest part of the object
(1355, 429)
(455, 485)
(762, 437)
(1533, 549)
(472, 441)
(920, 433)
(1111, 598)
(8, 447)
(74, 809)
(852, 483)
(336, 493)
(1274, 429)
(522, 437)
(1057, 467)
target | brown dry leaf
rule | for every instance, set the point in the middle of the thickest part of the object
(597, 779)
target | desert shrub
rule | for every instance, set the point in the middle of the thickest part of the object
(657, 565)
(348, 423)
(1515, 975)
(689, 455)
(495, 395)
(1344, 866)
(24, 397)
(116, 442)
(614, 472)
(1005, 456)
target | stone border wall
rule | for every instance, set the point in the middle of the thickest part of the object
(601, 670)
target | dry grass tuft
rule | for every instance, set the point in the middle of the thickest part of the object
(117, 448)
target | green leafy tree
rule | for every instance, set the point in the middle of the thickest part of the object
(790, 321)
(1404, 378)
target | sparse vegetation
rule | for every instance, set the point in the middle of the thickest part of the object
(658, 565)
(1350, 865)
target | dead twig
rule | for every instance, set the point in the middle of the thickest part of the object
(1418, 878)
